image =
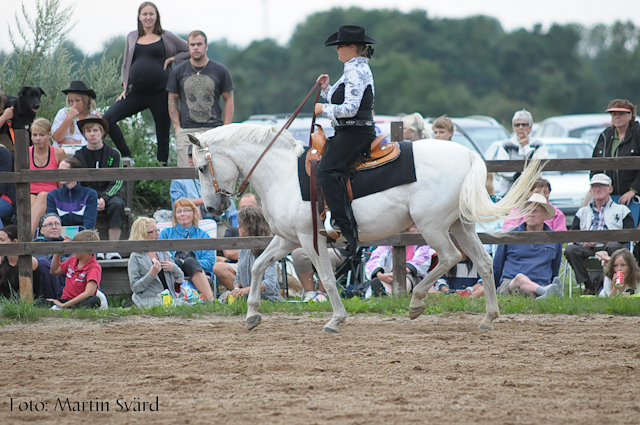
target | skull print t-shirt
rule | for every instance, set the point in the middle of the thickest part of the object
(200, 89)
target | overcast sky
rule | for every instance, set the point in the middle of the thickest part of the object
(243, 21)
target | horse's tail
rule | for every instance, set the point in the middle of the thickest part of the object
(476, 205)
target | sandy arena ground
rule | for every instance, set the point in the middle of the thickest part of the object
(440, 369)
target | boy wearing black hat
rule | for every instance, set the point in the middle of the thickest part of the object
(97, 154)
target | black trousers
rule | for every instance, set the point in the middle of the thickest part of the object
(340, 152)
(157, 103)
(577, 253)
(114, 208)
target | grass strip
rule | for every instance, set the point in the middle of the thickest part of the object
(22, 312)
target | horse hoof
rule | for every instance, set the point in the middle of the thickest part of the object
(328, 329)
(414, 313)
(253, 321)
(486, 326)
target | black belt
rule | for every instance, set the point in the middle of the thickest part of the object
(352, 122)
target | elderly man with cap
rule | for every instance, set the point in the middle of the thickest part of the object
(520, 146)
(530, 269)
(621, 139)
(602, 213)
(98, 154)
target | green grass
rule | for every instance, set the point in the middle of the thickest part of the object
(22, 312)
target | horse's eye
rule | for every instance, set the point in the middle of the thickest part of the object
(202, 169)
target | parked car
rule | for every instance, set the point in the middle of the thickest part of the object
(573, 126)
(568, 188)
(477, 132)
(300, 127)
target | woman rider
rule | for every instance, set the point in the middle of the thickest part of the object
(350, 108)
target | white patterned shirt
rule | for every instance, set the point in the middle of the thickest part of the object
(356, 77)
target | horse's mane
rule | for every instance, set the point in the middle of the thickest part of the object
(232, 134)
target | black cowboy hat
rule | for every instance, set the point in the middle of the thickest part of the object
(79, 87)
(90, 118)
(349, 34)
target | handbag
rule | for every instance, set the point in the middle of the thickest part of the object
(183, 255)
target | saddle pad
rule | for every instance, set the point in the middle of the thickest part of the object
(370, 181)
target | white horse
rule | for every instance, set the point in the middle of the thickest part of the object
(448, 196)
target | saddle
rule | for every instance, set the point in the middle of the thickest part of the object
(378, 155)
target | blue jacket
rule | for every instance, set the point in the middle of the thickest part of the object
(206, 258)
(539, 262)
(75, 207)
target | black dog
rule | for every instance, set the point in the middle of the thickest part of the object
(25, 106)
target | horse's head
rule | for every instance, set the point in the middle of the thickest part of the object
(214, 170)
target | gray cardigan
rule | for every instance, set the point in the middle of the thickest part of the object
(269, 280)
(174, 46)
(145, 287)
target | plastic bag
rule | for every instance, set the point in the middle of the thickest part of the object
(190, 294)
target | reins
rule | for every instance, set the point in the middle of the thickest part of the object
(245, 182)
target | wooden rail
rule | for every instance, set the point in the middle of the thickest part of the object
(23, 176)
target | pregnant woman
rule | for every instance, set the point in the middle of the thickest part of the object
(148, 55)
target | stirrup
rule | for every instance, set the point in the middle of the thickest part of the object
(328, 230)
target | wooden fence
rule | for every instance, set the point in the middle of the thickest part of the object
(22, 176)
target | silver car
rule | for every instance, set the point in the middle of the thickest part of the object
(568, 188)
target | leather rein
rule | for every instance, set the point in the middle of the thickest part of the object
(245, 182)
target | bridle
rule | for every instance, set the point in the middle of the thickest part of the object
(245, 183)
(216, 186)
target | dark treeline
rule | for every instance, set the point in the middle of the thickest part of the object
(436, 66)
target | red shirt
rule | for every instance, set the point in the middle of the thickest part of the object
(76, 279)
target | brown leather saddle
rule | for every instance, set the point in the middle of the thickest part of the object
(379, 155)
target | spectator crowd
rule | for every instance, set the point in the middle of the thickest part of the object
(196, 95)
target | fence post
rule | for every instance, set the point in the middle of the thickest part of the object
(23, 209)
(397, 131)
(399, 258)
(399, 253)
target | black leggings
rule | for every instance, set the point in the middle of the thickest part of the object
(341, 151)
(157, 103)
(189, 266)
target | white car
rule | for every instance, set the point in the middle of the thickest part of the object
(300, 127)
(583, 126)
(568, 188)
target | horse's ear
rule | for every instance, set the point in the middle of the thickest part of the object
(193, 139)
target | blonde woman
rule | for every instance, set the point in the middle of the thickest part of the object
(194, 264)
(152, 272)
(413, 127)
(42, 156)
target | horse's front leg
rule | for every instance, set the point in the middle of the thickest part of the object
(277, 249)
(323, 267)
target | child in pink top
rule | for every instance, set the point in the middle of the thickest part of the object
(557, 222)
(83, 275)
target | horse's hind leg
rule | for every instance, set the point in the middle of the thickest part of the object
(472, 246)
(277, 249)
(448, 256)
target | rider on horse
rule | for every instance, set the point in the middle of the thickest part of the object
(350, 108)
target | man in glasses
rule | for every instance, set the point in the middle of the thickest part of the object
(530, 269)
(49, 230)
(520, 146)
(602, 213)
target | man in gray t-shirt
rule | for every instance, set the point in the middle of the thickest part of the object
(195, 88)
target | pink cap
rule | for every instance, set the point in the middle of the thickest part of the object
(619, 109)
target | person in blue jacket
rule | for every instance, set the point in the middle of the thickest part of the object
(75, 204)
(530, 269)
(194, 264)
